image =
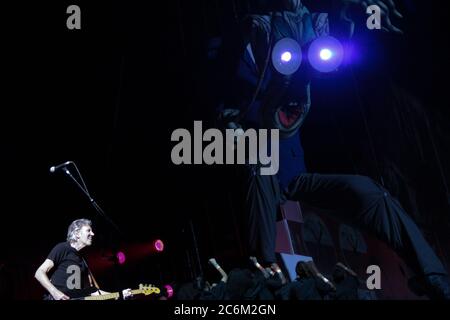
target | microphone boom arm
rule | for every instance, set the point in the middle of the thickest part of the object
(92, 201)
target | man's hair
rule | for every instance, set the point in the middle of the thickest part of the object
(76, 226)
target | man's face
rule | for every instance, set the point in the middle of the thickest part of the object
(86, 235)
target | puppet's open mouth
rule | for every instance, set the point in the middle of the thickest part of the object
(290, 114)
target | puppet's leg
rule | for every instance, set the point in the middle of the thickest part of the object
(262, 200)
(360, 201)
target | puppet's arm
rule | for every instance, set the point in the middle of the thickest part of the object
(388, 10)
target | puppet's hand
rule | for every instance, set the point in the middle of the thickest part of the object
(229, 119)
(387, 8)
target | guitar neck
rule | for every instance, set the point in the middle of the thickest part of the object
(110, 296)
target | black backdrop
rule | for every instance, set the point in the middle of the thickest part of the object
(108, 97)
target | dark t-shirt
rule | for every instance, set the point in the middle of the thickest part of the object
(68, 262)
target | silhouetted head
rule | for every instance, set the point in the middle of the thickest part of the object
(238, 283)
(302, 270)
(338, 274)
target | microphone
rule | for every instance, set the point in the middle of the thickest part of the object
(59, 166)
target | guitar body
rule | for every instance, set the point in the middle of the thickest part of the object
(78, 294)
(145, 290)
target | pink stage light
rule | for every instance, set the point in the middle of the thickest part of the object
(158, 245)
(169, 290)
(121, 257)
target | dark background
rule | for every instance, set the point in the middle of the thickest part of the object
(108, 97)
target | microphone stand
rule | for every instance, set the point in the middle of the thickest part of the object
(92, 201)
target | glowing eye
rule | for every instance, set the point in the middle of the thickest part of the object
(326, 54)
(286, 56)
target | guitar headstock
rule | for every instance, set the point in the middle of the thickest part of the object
(149, 289)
